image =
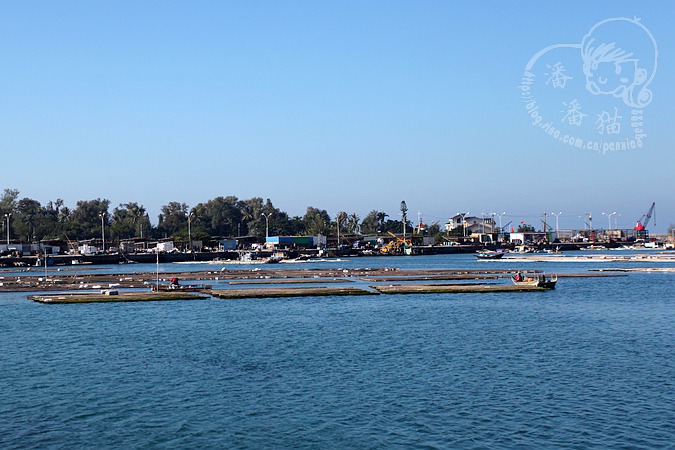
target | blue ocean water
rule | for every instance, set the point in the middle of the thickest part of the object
(588, 365)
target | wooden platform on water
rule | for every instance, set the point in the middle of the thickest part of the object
(93, 297)
(453, 288)
(270, 283)
(302, 291)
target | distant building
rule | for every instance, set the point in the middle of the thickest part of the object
(533, 237)
(274, 242)
(230, 244)
(474, 225)
(165, 246)
(86, 249)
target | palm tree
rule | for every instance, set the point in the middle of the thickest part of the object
(380, 218)
(353, 222)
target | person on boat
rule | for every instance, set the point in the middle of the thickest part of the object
(174, 281)
(518, 277)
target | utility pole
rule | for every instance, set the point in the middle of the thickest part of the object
(188, 214)
(8, 216)
(590, 224)
(267, 224)
(102, 231)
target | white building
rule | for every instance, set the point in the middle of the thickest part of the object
(482, 225)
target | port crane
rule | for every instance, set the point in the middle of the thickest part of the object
(643, 221)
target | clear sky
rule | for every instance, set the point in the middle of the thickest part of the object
(349, 105)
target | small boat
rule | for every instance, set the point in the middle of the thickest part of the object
(180, 287)
(535, 280)
(489, 255)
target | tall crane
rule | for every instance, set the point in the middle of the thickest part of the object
(643, 221)
(640, 227)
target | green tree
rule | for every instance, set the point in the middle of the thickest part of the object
(433, 229)
(381, 216)
(8, 201)
(392, 226)
(221, 216)
(28, 214)
(404, 215)
(253, 223)
(129, 220)
(173, 219)
(341, 222)
(525, 228)
(371, 223)
(316, 221)
(85, 220)
(353, 224)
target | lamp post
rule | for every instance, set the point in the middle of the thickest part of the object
(102, 215)
(590, 224)
(609, 218)
(463, 222)
(267, 224)
(8, 216)
(189, 230)
(501, 230)
(556, 221)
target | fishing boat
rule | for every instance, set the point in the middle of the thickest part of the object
(180, 287)
(535, 280)
(489, 255)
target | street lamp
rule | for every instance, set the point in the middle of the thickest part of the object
(556, 221)
(189, 230)
(267, 224)
(500, 220)
(609, 218)
(102, 215)
(463, 222)
(8, 216)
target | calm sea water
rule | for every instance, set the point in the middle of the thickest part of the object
(591, 364)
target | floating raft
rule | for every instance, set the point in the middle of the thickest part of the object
(309, 291)
(298, 281)
(89, 297)
(452, 288)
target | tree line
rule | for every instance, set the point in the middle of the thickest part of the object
(221, 217)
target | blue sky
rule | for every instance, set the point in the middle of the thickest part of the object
(347, 106)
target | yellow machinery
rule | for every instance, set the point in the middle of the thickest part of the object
(397, 246)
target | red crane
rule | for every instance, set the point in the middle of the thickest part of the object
(644, 220)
